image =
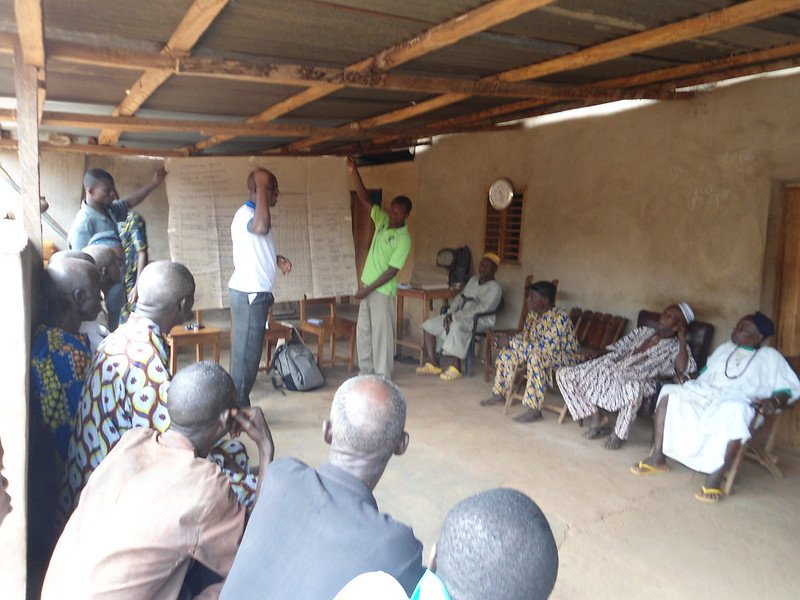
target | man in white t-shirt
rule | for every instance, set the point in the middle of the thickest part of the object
(255, 263)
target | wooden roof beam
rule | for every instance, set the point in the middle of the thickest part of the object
(195, 22)
(706, 24)
(705, 67)
(724, 19)
(435, 38)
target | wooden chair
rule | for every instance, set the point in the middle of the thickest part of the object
(762, 443)
(179, 336)
(328, 327)
(275, 332)
(758, 448)
(498, 338)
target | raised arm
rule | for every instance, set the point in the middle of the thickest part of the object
(262, 219)
(140, 194)
(361, 191)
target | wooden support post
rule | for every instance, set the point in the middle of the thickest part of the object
(26, 80)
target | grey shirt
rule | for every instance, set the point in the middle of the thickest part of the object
(312, 531)
(90, 221)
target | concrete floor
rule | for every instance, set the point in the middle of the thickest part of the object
(620, 536)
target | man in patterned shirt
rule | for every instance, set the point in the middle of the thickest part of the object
(128, 382)
(619, 380)
(546, 343)
(133, 233)
(60, 354)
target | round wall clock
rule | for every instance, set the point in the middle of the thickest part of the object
(501, 192)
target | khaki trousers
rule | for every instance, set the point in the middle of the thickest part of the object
(375, 338)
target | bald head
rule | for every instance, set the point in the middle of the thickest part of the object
(109, 260)
(163, 285)
(62, 254)
(198, 394)
(368, 415)
(497, 544)
(72, 288)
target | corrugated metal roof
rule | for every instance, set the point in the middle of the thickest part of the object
(285, 63)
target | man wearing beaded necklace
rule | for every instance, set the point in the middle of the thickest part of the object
(703, 422)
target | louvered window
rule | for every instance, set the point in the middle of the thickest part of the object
(503, 231)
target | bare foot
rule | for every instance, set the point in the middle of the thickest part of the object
(596, 432)
(493, 401)
(613, 442)
(529, 416)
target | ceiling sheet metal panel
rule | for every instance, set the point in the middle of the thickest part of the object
(245, 145)
(192, 94)
(351, 105)
(320, 33)
(90, 84)
(149, 20)
(169, 139)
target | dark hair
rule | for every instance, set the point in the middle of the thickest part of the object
(545, 288)
(405, 201)
(94, 177)
(497, 544)
(199, 393)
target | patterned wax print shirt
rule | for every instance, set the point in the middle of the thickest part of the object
(59, 361)
(133, 234)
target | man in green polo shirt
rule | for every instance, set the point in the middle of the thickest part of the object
(387, 255)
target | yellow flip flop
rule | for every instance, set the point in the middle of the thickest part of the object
(429, 369)
(709, 495)
(451, 374)
(644, 468)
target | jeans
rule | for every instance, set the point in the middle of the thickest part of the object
(247, 339)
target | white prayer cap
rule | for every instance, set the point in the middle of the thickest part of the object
(687, 311)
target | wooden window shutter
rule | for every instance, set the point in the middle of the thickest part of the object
(503, 231)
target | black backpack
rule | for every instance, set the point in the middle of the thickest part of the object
(295, 366)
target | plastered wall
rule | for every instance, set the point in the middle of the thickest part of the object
(637, 209)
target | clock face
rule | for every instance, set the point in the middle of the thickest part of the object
(501, 193)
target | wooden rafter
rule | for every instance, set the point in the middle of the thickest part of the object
(722, 66)
(714, 22)
(301, 75)
(435, 38)
(686, 75)
(702, 25)
(195, 22)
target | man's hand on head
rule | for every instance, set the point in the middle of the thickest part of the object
(261, 179)
(252, 422)
(351, 164)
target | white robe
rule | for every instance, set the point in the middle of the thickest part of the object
(705, 414)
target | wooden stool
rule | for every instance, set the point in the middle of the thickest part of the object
(331, 327)
(179, 336)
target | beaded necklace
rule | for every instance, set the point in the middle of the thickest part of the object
(727, 362)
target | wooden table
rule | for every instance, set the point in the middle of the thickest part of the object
(427, 297)
(179, 336)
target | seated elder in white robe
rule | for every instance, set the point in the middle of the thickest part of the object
(451, 333)
(705, 414)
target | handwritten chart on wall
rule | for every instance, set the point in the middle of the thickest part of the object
(311, 223)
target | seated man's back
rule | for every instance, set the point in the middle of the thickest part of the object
(312, 531)
(148, 507)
